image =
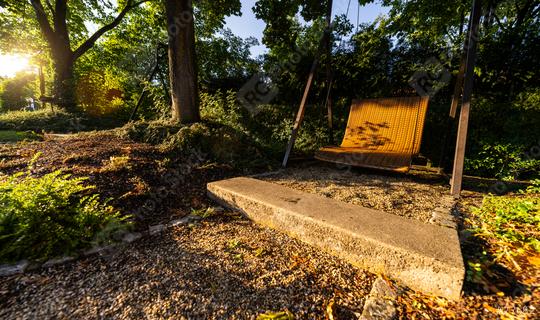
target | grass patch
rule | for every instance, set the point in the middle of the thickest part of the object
(57, 122)
(10, 136)
(52, 215)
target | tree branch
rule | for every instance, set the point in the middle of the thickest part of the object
(89, 43)
(49, 5)
(43, 20)
(499, 22)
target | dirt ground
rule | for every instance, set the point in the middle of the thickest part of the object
(225, 266)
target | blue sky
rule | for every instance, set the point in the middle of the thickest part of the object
(248, 25)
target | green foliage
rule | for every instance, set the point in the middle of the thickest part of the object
(507, 162)
(14, 91)
(535, 187)
(52, 215)
(270, 126)
(282, 315)
(223, 108)
(206, 141)
(204, 213)
(153, 132)
(41, 120)
(511, 224)
(59, 121)
(16, 136)
(118, 163)
(217, 142)
(100, 94)
(225, 61)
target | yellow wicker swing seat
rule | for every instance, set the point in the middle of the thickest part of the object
(381, 133)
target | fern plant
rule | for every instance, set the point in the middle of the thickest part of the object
(52, 215)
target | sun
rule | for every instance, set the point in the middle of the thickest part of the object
(10, 64)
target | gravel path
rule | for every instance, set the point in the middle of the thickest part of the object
(396, 194)
(221, 268)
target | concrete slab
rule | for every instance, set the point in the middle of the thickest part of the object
(424, 257)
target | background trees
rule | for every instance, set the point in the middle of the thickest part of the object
(64, 31)
(370, 60)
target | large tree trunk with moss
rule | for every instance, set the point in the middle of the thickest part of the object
(182, 61)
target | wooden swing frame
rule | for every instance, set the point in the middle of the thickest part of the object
(463, 90)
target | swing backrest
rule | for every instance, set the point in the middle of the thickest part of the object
(392, 125)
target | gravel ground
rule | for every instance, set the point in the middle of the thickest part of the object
(222, 268)
(227, 267)
(396, 194)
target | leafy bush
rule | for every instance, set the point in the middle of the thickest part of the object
(219, 143)
(41, 120)
(52, 215)
(153, 132)
(503, 161)
(223, 108)
(100, 93)
(270, 126)
(207, 141)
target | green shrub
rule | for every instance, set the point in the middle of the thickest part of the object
(153, 132)
(217, 142)
(208, 141)
(270, 126)
(100, 93)
(38, 121)
(52, 215)
(223, 108)
(503, 161)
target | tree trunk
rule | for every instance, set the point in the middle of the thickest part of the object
(57, 37)
(64, 81)
(182, 61)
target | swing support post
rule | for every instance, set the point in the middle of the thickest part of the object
(302, 108)
(470, 49)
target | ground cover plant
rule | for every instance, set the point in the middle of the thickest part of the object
(510, 227)
(57, 121)
(52, 215)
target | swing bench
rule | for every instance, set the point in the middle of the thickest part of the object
(381, 134)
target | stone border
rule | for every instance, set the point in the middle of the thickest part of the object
(24, 265)
(423, 256)
(446, 215)
(380, 304)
